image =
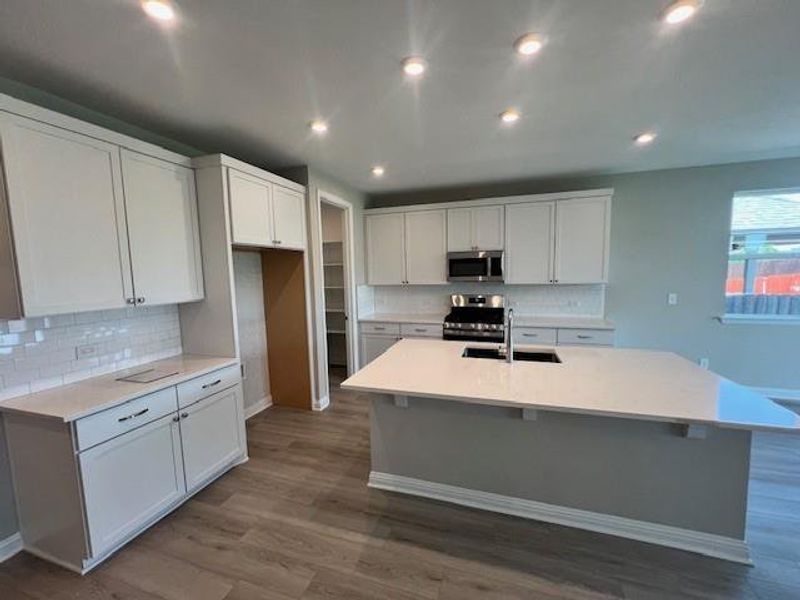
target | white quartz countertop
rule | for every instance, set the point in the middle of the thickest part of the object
(614, 382)
(520, 320)
(70, 402)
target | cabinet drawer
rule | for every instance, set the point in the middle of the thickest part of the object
(534, 335)
(420, 330)
(115, 421)
(381, 328)
(196, 389)
(588, 337)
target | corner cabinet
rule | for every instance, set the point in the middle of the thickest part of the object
(74, 237)
(407, 248)
(265, 214)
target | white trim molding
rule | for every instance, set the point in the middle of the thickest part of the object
(783, 395)
(261, 405)
(654, 533)
(321, 404)
(10, 546)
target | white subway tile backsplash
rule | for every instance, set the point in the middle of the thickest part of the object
(41, 353)
(528, 300)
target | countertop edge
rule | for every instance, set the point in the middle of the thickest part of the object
(580, 411)
(520, 321)
(148, 388)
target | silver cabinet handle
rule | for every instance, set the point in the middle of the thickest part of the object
(130, 300)
(212, 384)
(184, 415)
(530, 335)
(175, 419)
(134, 415)
(585, 337)
(379, 328)
(420, 330)
(140, 300)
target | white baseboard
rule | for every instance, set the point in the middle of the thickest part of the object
(321, 403)
(784, 395)
(674, 537)
(254, 409)
(10, 546)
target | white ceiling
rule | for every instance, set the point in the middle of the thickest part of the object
(245, 77)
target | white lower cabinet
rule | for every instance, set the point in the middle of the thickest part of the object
(130, 480)
(372, 346)
(211, 436)
(86, 487)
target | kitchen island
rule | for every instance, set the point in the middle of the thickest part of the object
(635, 443)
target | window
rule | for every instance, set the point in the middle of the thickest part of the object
(764, 255)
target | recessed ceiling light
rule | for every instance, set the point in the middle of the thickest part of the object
(159, 10)
(318, 126)
(509, 116)
(528, 44)
(378, 171)
(647, 137)
(414, 66)
(680, 11)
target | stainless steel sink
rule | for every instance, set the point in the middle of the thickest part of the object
(547, 356)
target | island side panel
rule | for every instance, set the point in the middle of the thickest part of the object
(635, 469)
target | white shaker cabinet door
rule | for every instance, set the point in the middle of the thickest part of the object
(68, 218)
(130, 481)
(459, 230)
(161, 205)
(287, 211)
(386, 249)
(529, 242)
(581, 249)
(488, 225)
(212, 435)
(251, 209)
(372, 346)
(426, 247)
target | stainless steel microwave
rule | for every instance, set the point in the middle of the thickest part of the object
(478, 265)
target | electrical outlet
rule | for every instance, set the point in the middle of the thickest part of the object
(86, 351)
(703, 362)
(672, 299)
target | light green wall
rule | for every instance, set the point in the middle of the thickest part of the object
(669, 233)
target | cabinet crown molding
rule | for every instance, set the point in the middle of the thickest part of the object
(498, 200)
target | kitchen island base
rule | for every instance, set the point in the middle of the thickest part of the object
(638, 479)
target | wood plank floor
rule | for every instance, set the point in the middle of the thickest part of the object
(298, 521)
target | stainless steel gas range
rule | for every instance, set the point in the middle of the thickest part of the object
(475, 318)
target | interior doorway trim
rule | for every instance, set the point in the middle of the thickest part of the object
(350, 300)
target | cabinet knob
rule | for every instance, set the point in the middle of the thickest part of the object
(140, 300)
(130, 300)
(175, 419)
(184, 415)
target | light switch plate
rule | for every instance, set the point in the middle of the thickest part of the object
(672, 299)
(703, 362)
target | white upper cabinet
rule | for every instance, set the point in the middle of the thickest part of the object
(288, 221)
(251, 209)
(581, 240)
(67, 212)
(426, 247)
(459, 230)
(488, 223)
(478, 228)
(265, 214)
(161, 205)
(386, 249)
(529, 242)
